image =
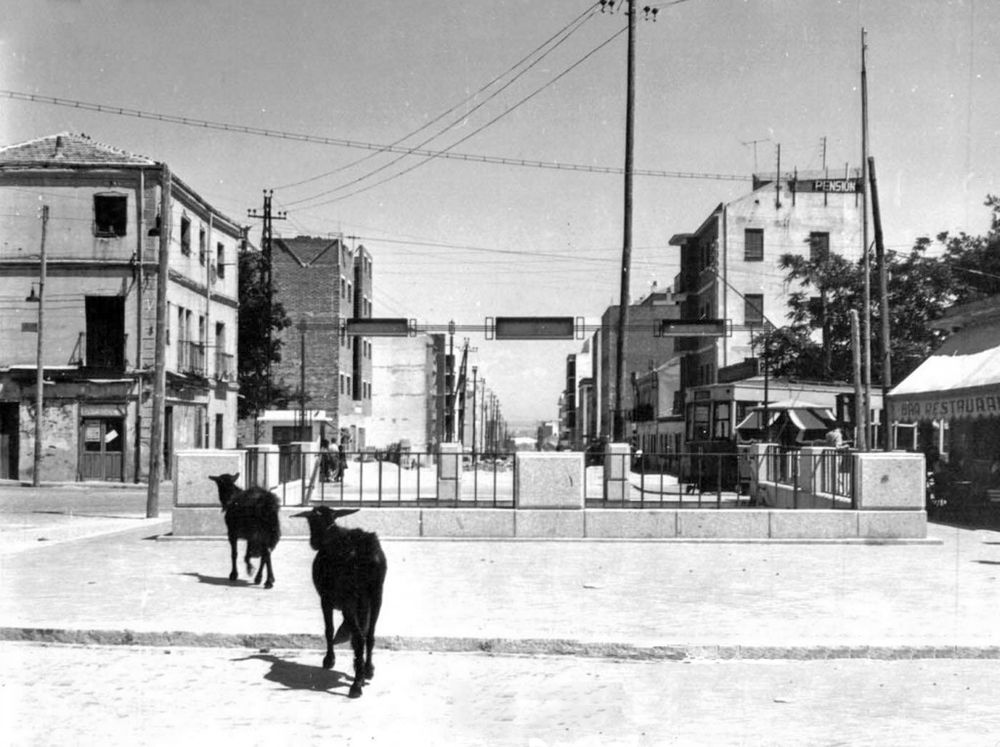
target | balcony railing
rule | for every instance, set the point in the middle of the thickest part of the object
(191, 357)
(225, 367)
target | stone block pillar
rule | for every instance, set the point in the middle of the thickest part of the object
(617, 467)
(192, 468)
(450, 471)
(889, 480)
(265, 457)
(549, 480)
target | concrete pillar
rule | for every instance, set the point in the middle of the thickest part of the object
(267, 456)
(450, 471)
(192, 468)
(889, 480)
(617, 466)
(549, 480)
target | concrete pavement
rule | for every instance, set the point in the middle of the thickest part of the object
(639, 599)
(131, 695)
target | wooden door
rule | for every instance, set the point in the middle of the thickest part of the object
(103, 440)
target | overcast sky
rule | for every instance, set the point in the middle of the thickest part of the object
(463, 240)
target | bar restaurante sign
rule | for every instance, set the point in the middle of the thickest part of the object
(946, 408)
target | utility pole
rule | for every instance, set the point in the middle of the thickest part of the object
(449, 386)
(883, 290)
(267, 280)
(40, 370)
(623, 308)
(159, 364)
(474, 371)
(867, 303)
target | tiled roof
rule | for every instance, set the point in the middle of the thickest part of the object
(67, 147)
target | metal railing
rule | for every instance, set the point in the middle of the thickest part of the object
(719, 480)
(375, 479)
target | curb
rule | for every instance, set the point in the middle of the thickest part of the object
(500, 646)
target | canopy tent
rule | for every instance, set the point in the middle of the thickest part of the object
(960, 380)
(787, 421)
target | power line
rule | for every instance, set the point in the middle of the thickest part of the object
(357, 144)
(479, 129)
(583, 16)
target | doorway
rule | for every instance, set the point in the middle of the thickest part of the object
(9, 443)
(101, 456)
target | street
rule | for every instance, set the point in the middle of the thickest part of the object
(60, 694)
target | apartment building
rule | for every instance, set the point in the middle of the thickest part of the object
(94, 213)
(322, 283)
(730, 273)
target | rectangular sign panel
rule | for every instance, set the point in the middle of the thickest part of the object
(379, 327)
(534, 328)
(693, 328)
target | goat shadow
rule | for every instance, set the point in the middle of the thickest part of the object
(294, 676)
(216, 580)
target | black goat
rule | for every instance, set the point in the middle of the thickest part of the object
(348, 573)
(252, 515)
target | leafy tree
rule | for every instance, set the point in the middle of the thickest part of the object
(816, 344)
(253, 348)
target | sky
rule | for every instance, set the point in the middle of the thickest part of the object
(719, 85)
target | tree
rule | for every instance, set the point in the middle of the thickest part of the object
(921, 285)
(253, 337)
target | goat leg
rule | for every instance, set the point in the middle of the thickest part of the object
(233, 575)
(247, 559)
(327, 607)
(265, 559)
(358, 644)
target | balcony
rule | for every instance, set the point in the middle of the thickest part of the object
(225, 367)
(191, 358)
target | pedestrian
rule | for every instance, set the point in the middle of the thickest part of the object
(835, 438)
(341, 461)
(325, 460)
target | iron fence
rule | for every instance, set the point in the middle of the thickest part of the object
(373, 479)
(655, 480)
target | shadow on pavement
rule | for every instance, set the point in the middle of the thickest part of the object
(216, 580)
(295, 676)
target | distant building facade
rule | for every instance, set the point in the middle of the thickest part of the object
(408, 402)
(322, 283)
(101, 230)
(645, 350)
(729, 271)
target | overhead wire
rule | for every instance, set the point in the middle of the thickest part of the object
(475, 132)
(584, 16)
(345, 143)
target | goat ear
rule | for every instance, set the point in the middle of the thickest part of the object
(343, 512)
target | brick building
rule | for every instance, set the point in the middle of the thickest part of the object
(322, 283)
(101, 228)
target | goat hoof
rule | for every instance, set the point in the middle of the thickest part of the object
(355, 691)
(233, 576)
(369, 671)
(269, 584)
(328, 662)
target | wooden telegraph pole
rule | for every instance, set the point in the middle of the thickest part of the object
(623, 308)
(40, 369)
(159, 366)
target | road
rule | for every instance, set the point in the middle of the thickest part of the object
(59, 695)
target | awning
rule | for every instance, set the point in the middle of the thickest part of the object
(961, 380)
(798, 421)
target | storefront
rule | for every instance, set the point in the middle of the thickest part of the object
(950, 405)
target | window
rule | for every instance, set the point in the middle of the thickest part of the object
(753, 308)
(753, 245)
(185, 235)
(220, 260)
(816, 309)
(819, 246)
(110, 215)
(202, 245)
